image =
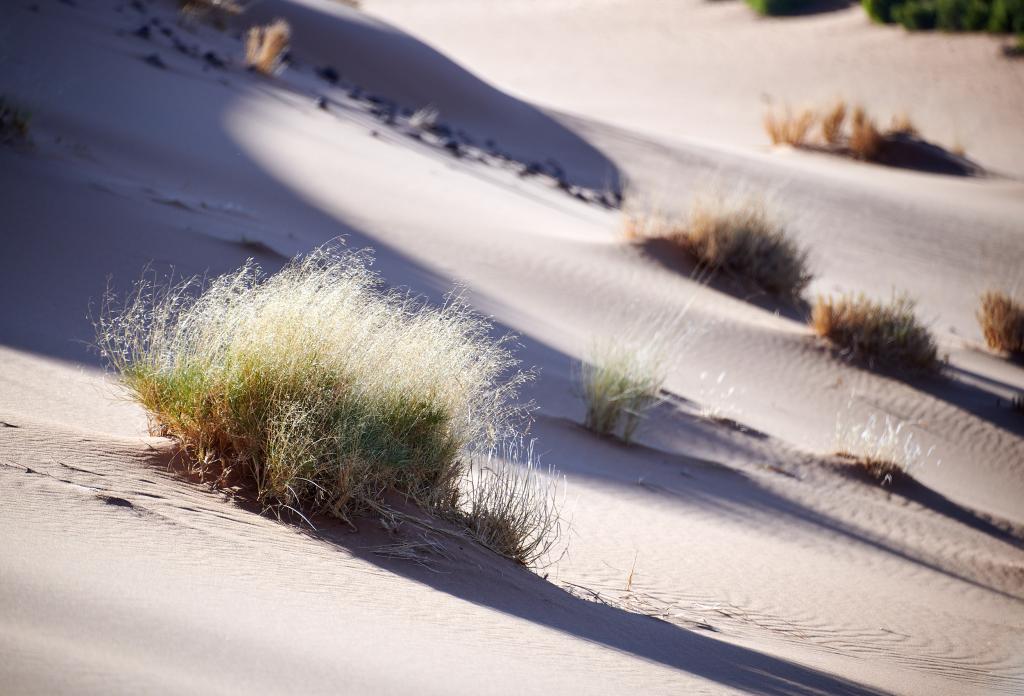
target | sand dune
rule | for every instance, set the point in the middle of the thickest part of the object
(726, 551)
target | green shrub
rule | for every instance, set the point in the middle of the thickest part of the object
(778, 7)
(997, 16)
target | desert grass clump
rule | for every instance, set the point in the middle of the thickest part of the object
(325, 391)
(832, 123)
(788, 128)
(619, 382)
(879, 334)
(14, 123)
(865, 141)
(1002, 322)
(265, 46)
(885, 451)
(740, 237)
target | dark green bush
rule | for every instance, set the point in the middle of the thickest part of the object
(916, 15)
(779, 7)
(950, 15)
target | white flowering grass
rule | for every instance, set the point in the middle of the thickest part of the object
(327, 391)
(885, 449)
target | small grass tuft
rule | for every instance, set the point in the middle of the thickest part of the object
(425, 118)
(619, 383)
(883, 451)
(902, 125)
(325, 392)
(878, 334)
(14, 123)
(739, 236)
(1002, 322)
(265, 46)
(788, 128)
(865, 140)
(832, 123)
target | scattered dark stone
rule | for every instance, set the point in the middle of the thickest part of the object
(321, 103)
(155, 60)
(142, 32)
(490, 144)
(181, 47)
(406, 112)
(34, 8)
(563, 183)
(213, 60)
(114, 500)
(355, 93)
(374, 134)
(442, 130)
(452, 146)
(155, 21)
(579, 196)
(531, 169)
(166, 31)
(69, 3)
(328, 74)
(287, 58)
(374, 99)
(137, 6)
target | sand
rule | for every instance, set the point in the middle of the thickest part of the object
(724, 552)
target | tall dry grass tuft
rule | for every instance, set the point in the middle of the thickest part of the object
(788, 128)
(832, 123)
(865, 141)
(326, 391)
(738, 235)
(265, 46)
(1002, 322)
(885, 335)
(619, 382)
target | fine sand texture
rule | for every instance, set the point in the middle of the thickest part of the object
(726, 550)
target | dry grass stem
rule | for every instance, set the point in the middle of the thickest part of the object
(865, 141)
(265, 46)
(787, 128)
(832, 123)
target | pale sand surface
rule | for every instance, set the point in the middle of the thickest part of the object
(755, 566)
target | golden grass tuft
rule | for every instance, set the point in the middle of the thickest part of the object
(832, 123)
(788, 128)
(739, 236)
(325, 392)
(902, 125)
(1002, 322)
(865, 141)
(878, 334)
(265, 46)
(619, 383)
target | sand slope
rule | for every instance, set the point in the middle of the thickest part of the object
(756, 566)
